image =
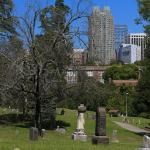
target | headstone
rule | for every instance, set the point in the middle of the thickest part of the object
(114, 137)
(100, 130)
(17, 132)
(61, 130)
(146, 143)
(43, 131)
(33, 134)
(80, 134)
(139, 122)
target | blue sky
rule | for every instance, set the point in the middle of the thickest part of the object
(124, 11)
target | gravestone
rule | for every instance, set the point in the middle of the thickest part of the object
(43, 131)
(139, 122)
(80, 134)
(114, 137)
(146, 143)
(33, 134)
(17, 132)
(100, 129)
(61, 130)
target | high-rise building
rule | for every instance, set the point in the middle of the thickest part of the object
(101, 36)
(121, 32)
(138, 39)
(129, 53)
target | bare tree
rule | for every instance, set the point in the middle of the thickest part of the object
(39, 75)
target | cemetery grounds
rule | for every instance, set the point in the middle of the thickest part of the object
(17, 135)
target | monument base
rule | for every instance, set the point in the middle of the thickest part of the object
(79, 136)
(100, 140)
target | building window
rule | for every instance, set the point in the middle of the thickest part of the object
(90, 73)
(126, 53)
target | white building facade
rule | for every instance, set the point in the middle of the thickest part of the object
(130, 53)
(138, 39)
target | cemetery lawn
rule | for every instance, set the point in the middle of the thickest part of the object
(17, 135)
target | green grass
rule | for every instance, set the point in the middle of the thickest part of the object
(9, 138)
(136, 121)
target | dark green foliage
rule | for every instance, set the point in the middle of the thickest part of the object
(56, 43)
(53, 18)
(88, 92)
(141, 103)
(6, 19)
(144, 9)
(142, 100)
(117, 100)
(121, 72)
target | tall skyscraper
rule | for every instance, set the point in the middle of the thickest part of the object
(121, 32)
(101, 36)
(138, 39)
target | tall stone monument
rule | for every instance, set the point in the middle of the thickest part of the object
(100, 130)
(80, 134)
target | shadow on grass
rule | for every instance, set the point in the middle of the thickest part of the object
(62, 124)
(27, 121)
(7, 119)
(143, 133)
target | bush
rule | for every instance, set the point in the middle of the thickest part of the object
(144, 115)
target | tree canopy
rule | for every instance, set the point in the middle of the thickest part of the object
(121, 72)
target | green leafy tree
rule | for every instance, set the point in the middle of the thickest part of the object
(121, 72)
(144, 10)
(142, 100)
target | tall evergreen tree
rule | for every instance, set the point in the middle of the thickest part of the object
(144, 10)
(6, 19)
(56, 39)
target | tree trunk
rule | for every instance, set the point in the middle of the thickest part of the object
(38, 103)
